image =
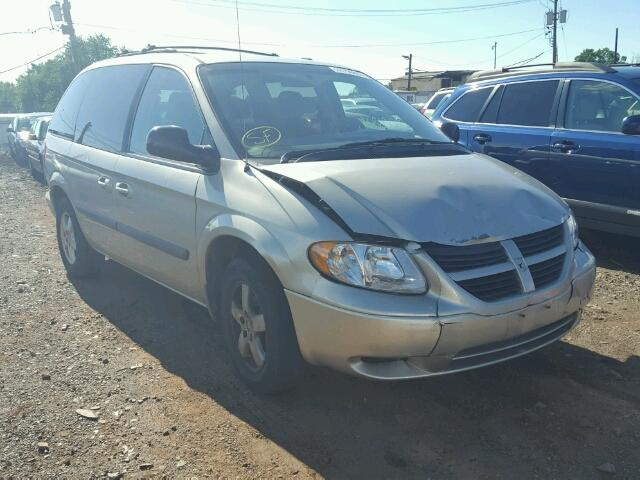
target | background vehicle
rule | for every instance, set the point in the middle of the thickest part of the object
(18, 135)
(35, 145)
(575, 127)
(437, 99)
(6, 120)
(249, 188)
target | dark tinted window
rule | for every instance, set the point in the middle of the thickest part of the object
(105, 108)
(436, 99)
(528, 103)
(467, 108)
(490, 114)
(599, 106)
(64, 119)
(166, 100)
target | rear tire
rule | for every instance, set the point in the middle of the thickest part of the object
(78, 257)
(258, 328)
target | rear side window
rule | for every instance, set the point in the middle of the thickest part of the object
(528, 103)
(105, 109)
(64, 119)
(467, 108)
(166, 100)
(490, 114)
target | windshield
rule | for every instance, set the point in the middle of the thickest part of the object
(269, 109)
(436, 99)
(24, 124)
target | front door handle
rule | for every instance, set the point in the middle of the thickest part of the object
(565, 146)
(104, 182)
(482, 138)
(122, 188)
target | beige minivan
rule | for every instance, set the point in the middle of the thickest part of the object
(310, 232)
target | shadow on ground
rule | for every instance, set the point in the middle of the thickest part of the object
(615, 252)
(519, 419)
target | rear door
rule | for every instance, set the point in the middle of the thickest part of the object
(98, 141)
(600, 164)
(466, 110)
(154, 197)
(516, 125)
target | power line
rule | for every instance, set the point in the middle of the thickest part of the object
(35, 30)
(373, 45)
(528, 60)
(375, 10)
(318, 11)
(436, 42)
(186, 37)
(34, 60)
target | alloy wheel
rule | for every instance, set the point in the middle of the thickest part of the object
(68, 237)
(249, 326)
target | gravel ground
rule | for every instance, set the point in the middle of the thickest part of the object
(119, 377)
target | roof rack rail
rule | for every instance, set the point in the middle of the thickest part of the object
(542, 67)
(177, 48)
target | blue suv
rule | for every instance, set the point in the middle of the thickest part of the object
(575, 127)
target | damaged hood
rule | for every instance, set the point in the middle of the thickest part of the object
(454, 200)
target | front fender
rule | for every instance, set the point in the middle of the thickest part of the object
(249, 231)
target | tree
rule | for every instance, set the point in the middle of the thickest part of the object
(8, 98)
(602, 55)
(40, 88)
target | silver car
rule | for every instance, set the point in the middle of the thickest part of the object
(238, 180)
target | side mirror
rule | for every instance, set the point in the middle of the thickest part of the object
(451, 130)
(172, 142)
(33, 136)
(631, 125)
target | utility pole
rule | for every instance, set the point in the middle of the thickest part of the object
(410, 58)
(494, 47)
(615, 49)
(67, 29)
(555, 31)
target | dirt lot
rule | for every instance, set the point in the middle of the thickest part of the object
(151, 367)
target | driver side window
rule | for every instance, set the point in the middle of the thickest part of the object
(599, 106)
(166, 100)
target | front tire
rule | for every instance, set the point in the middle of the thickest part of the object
(80, 260)
(258, 328)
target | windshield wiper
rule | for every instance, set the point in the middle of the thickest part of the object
(392, 141)
(297, 155)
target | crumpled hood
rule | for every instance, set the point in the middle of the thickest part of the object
(454, 200)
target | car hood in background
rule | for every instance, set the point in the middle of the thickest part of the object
(454, 200)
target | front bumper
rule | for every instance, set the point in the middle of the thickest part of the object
(403, 346)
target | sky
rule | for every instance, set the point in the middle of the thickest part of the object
(373, 44)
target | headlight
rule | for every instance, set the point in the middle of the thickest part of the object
(376, 267)
(573, 230)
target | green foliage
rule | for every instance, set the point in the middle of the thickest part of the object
(40, 88)
(602, 55)
(8, 98)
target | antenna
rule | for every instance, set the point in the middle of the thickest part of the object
(243, 89)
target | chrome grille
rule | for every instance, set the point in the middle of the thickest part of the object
(540, 241)
(546, 272)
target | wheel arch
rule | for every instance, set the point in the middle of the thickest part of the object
(228, 236)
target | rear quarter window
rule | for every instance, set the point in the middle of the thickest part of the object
(467, 108)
